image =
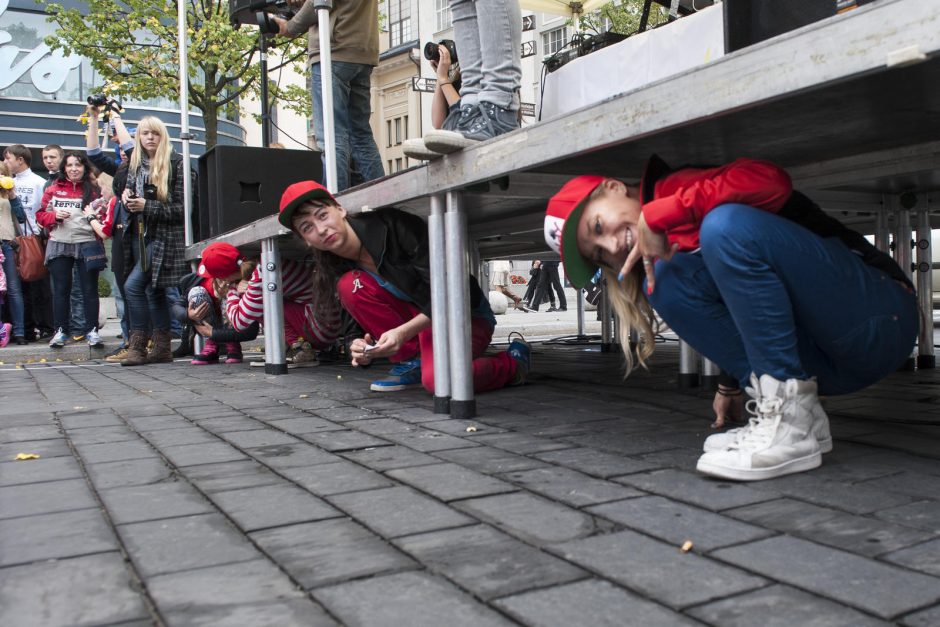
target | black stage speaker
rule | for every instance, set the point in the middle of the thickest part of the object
(240, 184)
(750, 21)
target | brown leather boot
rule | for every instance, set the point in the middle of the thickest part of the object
(161, 352)
(136, 349)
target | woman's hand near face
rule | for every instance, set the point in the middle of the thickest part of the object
(242, 287)
(357, 350)
(197, 313)
(650, 246)
(442, 67)
(135, 205)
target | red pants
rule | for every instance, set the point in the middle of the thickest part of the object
(298, 321)
(377, 310)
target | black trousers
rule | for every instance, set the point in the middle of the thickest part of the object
(548, 279)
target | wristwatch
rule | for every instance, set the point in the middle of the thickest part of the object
(88, 219)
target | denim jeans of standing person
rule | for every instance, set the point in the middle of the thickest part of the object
(172, 295)
(61, 270)
(77, 306)
(352, 107)
(147, 306)
(767, 296)
(14, 290)
(490, 63)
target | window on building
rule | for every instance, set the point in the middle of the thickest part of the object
(398, 164)
(554, 40)
(388, 134)
(406, 127)
(390, 170)
(397, 131)
(399, 21)
(442, 8)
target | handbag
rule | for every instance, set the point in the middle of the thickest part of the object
(30, 256)
(96, 259)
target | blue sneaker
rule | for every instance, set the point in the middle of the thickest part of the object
(402, 375)
(520, 351)
(59, 339)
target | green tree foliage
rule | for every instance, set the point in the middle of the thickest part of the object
(133, 45)
(623, 16)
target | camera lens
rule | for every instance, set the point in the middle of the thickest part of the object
(431, 53)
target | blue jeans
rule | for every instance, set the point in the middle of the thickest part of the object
(767, 296)
(488, 34)
(77, 322)
(352, 107)
(61, 269)
(172, 295)
(146, 305)
(14, 290)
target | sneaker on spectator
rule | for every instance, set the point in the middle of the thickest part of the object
(416, 149)
(116, 355)
(5, 334)
(233, 353)
(78, 337)
(301, 352)
(492, 122)
(58, 340)
(94, 340)
(209, 355)
(520, 350)
(777, 441)
(402, 375)
(450, 137)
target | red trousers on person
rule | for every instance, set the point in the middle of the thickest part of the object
(298, 321)
(377, 310)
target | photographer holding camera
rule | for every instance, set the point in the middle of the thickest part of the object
(446, 101)
(355, 51)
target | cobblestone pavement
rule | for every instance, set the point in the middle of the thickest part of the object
(184, 495)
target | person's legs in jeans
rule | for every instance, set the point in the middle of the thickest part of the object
(172, 293)
(365, 154)
(467, 40)
(340, 120)
(88, 281)
(500, 33)
(159, 307)
(60, 270)
(77, 322)
(135, 297)
(14, 291)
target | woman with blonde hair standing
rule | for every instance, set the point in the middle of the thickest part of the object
(153, 240)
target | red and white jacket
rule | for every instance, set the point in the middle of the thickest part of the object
(74, 229)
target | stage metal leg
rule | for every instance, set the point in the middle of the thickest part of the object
(580, 302)
(710, 372)
(273, 302)
(607, 327)
(439, 316)
(462, 402)
(924, 275)
(902, 252)
(688, 366)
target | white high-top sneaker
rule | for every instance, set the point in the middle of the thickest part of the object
(777, 441)
(718, 441)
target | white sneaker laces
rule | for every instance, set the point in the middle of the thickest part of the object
(759, 429)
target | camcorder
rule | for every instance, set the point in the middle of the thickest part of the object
(432, 53)
(103, 102)
(258, 13)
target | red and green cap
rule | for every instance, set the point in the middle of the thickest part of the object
(561, 227)
(296, 195)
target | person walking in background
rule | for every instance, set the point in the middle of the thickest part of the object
(499, 281)
(355, 51)
(11, 213)
(549, 280)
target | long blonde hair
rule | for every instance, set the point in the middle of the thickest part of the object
(633, 309)
(160, 162)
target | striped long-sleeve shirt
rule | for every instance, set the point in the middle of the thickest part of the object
(244, 309)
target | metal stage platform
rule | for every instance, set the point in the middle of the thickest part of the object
(849, 105)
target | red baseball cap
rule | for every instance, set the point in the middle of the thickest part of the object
(561, 226)
(296, 195)
(219, 260)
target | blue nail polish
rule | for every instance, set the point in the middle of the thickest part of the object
(620, 277)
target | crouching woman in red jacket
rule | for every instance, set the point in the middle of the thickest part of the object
(754, 276)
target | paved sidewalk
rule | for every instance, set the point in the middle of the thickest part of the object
(184, 495)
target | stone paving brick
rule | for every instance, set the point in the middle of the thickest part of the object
(625, 443)
(101, 435)
(89, 590)
(154, 423)
(152, 502)
(459, 427)
(529, 517)
(449, 482)
(291, 455)
(911, 483)
(204, 453)
(521, 443)
(128, 472)
(307, 424)
(211, 478)
(80, 420)
(22, 418)
(175, 437)
(414, 415)
(44, 498)
(412, 599)
(343, 476)
(596, 463)
(380, 426)
(229, 423)
(656, 569)
(337, 441)
(781, 606)
(593, 602)
(863, 535)
(428, 440)
(856, 498)
(390, 457)
(39, 470)
(43, 448)
(489, 461)
(398, 511)
(329, 551)
(345, 414)
(258, 437)
(54, 536)
(25, 434)
(927, 618)
(173, 544)
(881, 589)
(114, 451)
(784, 514)
(676, 522)
(922, 515)
(248, 593)
(697, 489)
(922, 557)
(570, 486)
(271, 506)
(487, 562)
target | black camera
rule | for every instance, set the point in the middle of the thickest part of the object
(258, 13)
(97, 100)
(432, 53)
